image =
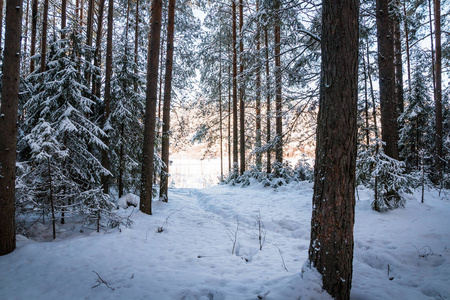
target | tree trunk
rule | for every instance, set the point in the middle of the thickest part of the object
(8, 124)
(408, 61)
(164, 184)
(220, 107)
(229, 119)
(89, 34)
(241, 89)
(398, 62)
(331, 248)
(34, 11)
(107, 100)
(258, 93)
(63, 18)
(268, 137)
(52, 202)
(136, 44)
(438, 97)
(1, 25)
(96, 82)
(388, 103)
(235, 119)
(279, 115)
(44, 35)
(25, 43)
(150, 108)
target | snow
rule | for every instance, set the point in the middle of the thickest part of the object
(190, 257)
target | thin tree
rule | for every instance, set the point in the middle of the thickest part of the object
(150, 109)
(258, 92)
(89, 35)
(96, 82)
(34, 12)
(398, 60)
(220, 105)
(107, 99)
(241, 89)
(438, 87)
(388, 103)
(1, 24)
(235, 119)
(408, 60)
(164, 183)
(8, 124)
(279, 115)
(268, 135)
(136, 43)
(331, 248)
(44, 35)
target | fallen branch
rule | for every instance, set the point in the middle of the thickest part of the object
(101, 281)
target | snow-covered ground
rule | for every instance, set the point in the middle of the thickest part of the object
(192, 257)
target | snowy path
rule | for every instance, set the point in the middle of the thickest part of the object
(191, 258)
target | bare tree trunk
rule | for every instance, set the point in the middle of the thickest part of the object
(268, 137)
(220, 108)
(258, 93)
(235, 119)
(1, 25)
(408, 61)
(96, 82)
(63, 36)
(229, 119)
(388, 103)
(331, 248)
(34, 10)
(107, 100)
(438, 96)
(398, 62)
(279, 114)
(25, 43)
(241, 89)
(89, 34)
(8, 124)
(150, 109)
(164, 184)
(44, 35)
(136, 44)
(433, 64)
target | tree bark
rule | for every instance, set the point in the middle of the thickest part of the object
(96, 82)
(63, 18)
(279, 115)
(268, 136)
(8, 124)
(241, 89)
(89, 34)
(438, 95)
(331, 248)
(34, 10)
(164, 184)
(258, 93)
(1, 25)
(150, 108)
(235, 119)
(388, 103)
(44, 35)
(107, 100)
(136, 44)
(25, 43)
(220, 106)
(398, 62)
(408, 61)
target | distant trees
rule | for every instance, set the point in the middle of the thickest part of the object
(331, 247)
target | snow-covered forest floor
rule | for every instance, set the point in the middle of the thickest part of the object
(400, 254)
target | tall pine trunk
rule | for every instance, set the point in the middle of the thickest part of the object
(241, 89)
(331, 248)
(235, 118)
(388, 103)
(8, 124)
(1, 25)
(164, 184)
(89, 35)
(408, 61)
(96, 82)
(278, 98)
(398, 61)
(44, 35)
(258, 92)
(268, 135)
(107, 99)
(34, 11)
(136, 44)
(438, 85)
(150, 109)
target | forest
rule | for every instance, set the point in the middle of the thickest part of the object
(334, 102)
